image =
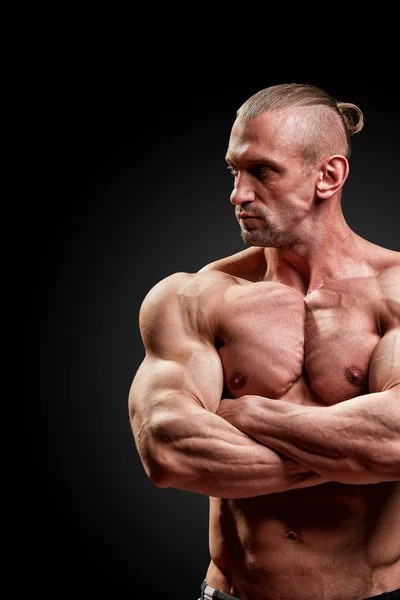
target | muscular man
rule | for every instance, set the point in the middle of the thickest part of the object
(271, 381)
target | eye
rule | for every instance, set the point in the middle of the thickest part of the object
(260, 171)
(232, 170)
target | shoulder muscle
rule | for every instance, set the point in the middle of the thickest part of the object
(178, 307)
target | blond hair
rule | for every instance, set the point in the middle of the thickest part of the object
(329, 123)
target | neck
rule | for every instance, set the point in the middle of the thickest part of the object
(329, 250)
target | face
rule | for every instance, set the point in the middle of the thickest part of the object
(273, 192)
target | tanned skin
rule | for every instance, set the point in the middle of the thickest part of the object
(271, 384)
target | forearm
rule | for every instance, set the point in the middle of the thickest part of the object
(196, 450)
(356, 441)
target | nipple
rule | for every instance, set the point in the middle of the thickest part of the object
(354, 375)
(238, 380)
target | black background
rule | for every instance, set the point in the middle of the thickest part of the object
(132, 169)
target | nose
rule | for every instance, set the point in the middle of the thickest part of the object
(243, 190)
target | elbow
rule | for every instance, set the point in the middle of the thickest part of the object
(151, 441)
(157, 470)
(169, 449)
(158, 458)
(158, 474)
(156, 464)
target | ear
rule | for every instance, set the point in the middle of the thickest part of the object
(332, 175)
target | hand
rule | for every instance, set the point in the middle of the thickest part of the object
(231, 409)
(244, 414)
(254, 414)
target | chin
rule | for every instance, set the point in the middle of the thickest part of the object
(256, 238)
(261, 238)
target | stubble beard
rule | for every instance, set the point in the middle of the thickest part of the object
(269, 237)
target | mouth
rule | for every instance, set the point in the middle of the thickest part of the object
(246, 216)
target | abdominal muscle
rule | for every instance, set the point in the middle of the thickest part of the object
(333, 541)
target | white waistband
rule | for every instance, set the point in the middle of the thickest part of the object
(208, 592)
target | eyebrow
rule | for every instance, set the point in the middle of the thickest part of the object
(256, 160)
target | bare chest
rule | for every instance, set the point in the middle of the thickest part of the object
(314, 350)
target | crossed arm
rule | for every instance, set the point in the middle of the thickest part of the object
(188, 438)
(356, 441)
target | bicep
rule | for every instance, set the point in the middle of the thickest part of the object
(168, 384)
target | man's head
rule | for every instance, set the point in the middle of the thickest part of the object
(288, 150)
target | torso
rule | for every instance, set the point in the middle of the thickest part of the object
(332, 541)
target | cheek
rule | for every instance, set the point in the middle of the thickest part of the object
(300, 201)
(306, 192)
